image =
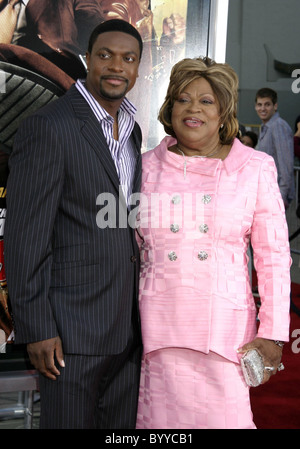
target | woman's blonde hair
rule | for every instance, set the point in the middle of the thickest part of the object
(224, 83)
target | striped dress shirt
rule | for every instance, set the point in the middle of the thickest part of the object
(122, 150)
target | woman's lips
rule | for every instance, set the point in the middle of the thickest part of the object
(192, 122)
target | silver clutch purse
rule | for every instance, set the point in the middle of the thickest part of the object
(253, 368)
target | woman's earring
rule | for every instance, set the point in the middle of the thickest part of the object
(222, 126)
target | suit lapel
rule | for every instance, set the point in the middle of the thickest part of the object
(137, 138)
(92, 133)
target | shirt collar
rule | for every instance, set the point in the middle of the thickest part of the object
(272, 119)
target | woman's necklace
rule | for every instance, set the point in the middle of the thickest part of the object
(208, 155)
(213, 153)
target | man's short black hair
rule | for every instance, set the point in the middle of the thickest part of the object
(115, 25)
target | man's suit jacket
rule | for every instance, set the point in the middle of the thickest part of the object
(66, 276)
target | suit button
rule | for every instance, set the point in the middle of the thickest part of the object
(206, 199)
(172, 256)
(176, 199)
(202, 255)
(174, 228)
(133, 259)
(203, 228)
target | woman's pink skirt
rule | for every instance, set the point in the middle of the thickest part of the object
(186, 389)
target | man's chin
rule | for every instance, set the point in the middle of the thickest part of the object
(113, 94)
(113, 97)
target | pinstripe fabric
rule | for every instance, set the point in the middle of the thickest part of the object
(106, 397)
(55, 254)
(66, 276)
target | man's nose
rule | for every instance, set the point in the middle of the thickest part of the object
(116, 64)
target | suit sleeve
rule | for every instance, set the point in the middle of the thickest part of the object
(271, 253)
(33, 192)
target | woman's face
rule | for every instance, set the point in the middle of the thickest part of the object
(195, 116)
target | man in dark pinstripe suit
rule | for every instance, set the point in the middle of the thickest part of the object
(73, 284)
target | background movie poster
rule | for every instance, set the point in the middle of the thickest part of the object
(49, 38)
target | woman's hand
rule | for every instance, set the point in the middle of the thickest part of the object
(270, 352)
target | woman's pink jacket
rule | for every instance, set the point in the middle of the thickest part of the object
(197, 218)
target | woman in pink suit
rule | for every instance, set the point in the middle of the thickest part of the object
(204, 197)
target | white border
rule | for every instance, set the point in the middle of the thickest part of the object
(218, 30)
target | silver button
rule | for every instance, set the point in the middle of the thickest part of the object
(202, 255)
(172, 256)
(176, 199)
(203, 228)
(174, 227)
(206, 199)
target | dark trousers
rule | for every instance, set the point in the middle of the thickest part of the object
(93, 392)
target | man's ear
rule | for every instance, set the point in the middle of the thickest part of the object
(87, 57)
